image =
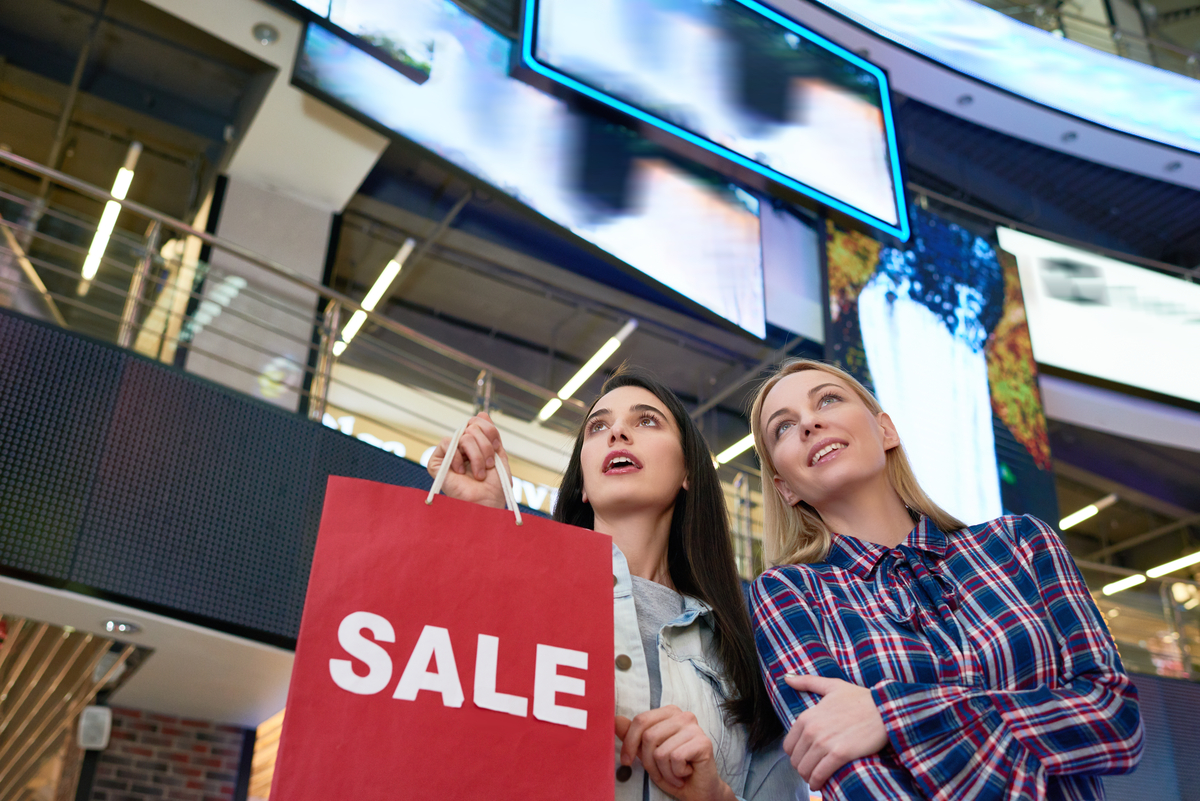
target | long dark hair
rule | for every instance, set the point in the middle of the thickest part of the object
(699, 555)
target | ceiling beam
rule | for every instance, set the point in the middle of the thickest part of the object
(1141, 539)
(1106, 486)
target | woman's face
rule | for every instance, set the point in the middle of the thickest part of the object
(632, 454)
(822, 438)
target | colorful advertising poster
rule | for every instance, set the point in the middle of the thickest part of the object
(937, 330)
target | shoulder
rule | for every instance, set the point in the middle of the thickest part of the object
(1019, 530)
(1031, 541)
(786, 585)
(788, 578)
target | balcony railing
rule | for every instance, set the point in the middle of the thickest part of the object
(258, 327)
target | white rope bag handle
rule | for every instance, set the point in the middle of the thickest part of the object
(510, 500)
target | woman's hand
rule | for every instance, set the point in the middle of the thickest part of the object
(473, 476)
(844, 726)
(676, 753)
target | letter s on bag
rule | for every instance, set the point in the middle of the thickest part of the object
(379, 664)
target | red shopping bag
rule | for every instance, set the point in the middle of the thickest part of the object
(446, 653)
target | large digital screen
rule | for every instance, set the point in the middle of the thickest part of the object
(678, 223)
(937, 330)
(1119, 93)
(736, 80)
(1109, 319)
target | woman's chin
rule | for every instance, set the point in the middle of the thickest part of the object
(633, 499)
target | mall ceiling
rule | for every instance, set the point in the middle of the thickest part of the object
(188, 95)
(183, 93)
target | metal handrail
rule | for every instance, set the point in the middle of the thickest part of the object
(286, 274)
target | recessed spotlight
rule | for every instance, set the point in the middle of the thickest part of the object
(965, 100)
(1173, 166)
(1070, 136)
(122, 627)
(265, 34)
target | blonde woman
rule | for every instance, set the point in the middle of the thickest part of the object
(909, 655)
(693, 718)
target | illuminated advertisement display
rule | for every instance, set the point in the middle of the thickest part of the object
(937, 329)
(445, 85)
(735, 80)
(1118, 93)
(1109, 319)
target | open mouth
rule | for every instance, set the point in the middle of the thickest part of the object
(621, 462)
(825, 452)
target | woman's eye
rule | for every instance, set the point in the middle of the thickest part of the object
(782, 427)
(648, 419)
(596, 426)
(826, 400)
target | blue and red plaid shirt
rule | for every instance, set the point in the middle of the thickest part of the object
(992, 669)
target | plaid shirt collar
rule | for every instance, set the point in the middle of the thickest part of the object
(861, 558)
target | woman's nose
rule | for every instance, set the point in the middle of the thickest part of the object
(618, 434)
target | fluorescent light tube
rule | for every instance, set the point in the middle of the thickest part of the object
(108, 219)
(1091, 510)
(1075, 518)
(1171, 567)
(736, 449)
(587, 371)
(382, 284)
(1123, 584)
(549, 409)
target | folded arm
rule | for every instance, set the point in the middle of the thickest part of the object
(993, 741)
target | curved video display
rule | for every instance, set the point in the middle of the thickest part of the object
(443, 82)
(741, 83)
(1115, 92)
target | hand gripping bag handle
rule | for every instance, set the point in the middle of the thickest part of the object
(510, 500)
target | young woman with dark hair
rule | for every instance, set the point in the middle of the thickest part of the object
(913, 656)
(693, 718)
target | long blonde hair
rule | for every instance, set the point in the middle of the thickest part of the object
(797, 534)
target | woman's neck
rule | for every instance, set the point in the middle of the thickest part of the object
(872, 514)
(642, 537)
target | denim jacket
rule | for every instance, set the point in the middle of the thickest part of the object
(691, 680)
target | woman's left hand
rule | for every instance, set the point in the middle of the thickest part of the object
(844, 726)
(675, 752)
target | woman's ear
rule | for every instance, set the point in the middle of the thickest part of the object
(685, 483)
(584, 494)
(891, 437)
(785, 492)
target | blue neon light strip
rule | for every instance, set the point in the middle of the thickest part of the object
(901, 231)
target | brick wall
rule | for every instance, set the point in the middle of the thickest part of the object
(159, 758)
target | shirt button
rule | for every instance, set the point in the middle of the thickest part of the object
(624, 662)
(623, 773)
(614, 580)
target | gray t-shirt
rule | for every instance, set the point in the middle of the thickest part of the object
(656, 606)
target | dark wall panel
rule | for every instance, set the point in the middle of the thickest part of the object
(336, 454)
(57, 393)
(199, 500)
(1170, 766)
(132, 479)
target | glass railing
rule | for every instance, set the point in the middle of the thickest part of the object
(258, 328)
(182, 297)
(1156, 624)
